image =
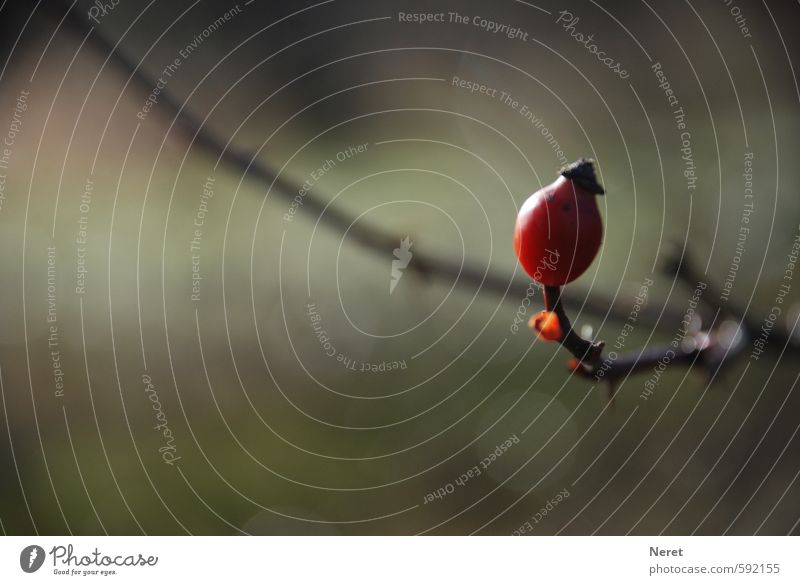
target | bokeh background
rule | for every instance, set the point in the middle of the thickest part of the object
(268, 433)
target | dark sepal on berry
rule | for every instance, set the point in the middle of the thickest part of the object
(582, 173)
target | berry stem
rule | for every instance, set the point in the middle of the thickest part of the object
(703, 349)
(585, 351)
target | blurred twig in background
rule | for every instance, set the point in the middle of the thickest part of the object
(706, 349)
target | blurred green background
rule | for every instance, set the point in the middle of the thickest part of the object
(275, 436)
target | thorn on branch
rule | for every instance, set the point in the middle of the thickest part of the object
(707, 351)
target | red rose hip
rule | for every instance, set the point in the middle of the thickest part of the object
(559, 229)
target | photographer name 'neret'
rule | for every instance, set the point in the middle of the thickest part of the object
(665, 552)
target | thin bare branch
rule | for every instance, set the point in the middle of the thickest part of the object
(376, 240)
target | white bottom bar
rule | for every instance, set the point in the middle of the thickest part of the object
(402, 560)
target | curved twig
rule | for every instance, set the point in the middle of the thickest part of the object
(372, 238)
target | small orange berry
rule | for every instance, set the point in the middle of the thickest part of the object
(574, 364)
(546, 325)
